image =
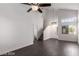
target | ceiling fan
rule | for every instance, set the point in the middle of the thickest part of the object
(36, 6)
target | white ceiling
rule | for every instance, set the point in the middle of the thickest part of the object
(73, 6)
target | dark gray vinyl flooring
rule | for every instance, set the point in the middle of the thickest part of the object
(50, 47)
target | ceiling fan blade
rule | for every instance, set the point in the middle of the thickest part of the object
(29, 10)
(40, 10)
(45, 4)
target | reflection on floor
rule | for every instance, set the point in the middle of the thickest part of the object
(50, 47)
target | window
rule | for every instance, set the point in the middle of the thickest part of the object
(69, 25)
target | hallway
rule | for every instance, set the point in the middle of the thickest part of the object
(50, 47)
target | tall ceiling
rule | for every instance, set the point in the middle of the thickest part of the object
(73, 6)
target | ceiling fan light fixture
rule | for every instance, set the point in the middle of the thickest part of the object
(34, 8)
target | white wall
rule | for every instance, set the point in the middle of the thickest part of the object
(50, 32)
(16, 26)
(78, 26)
(38, 23)
(50, 16)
